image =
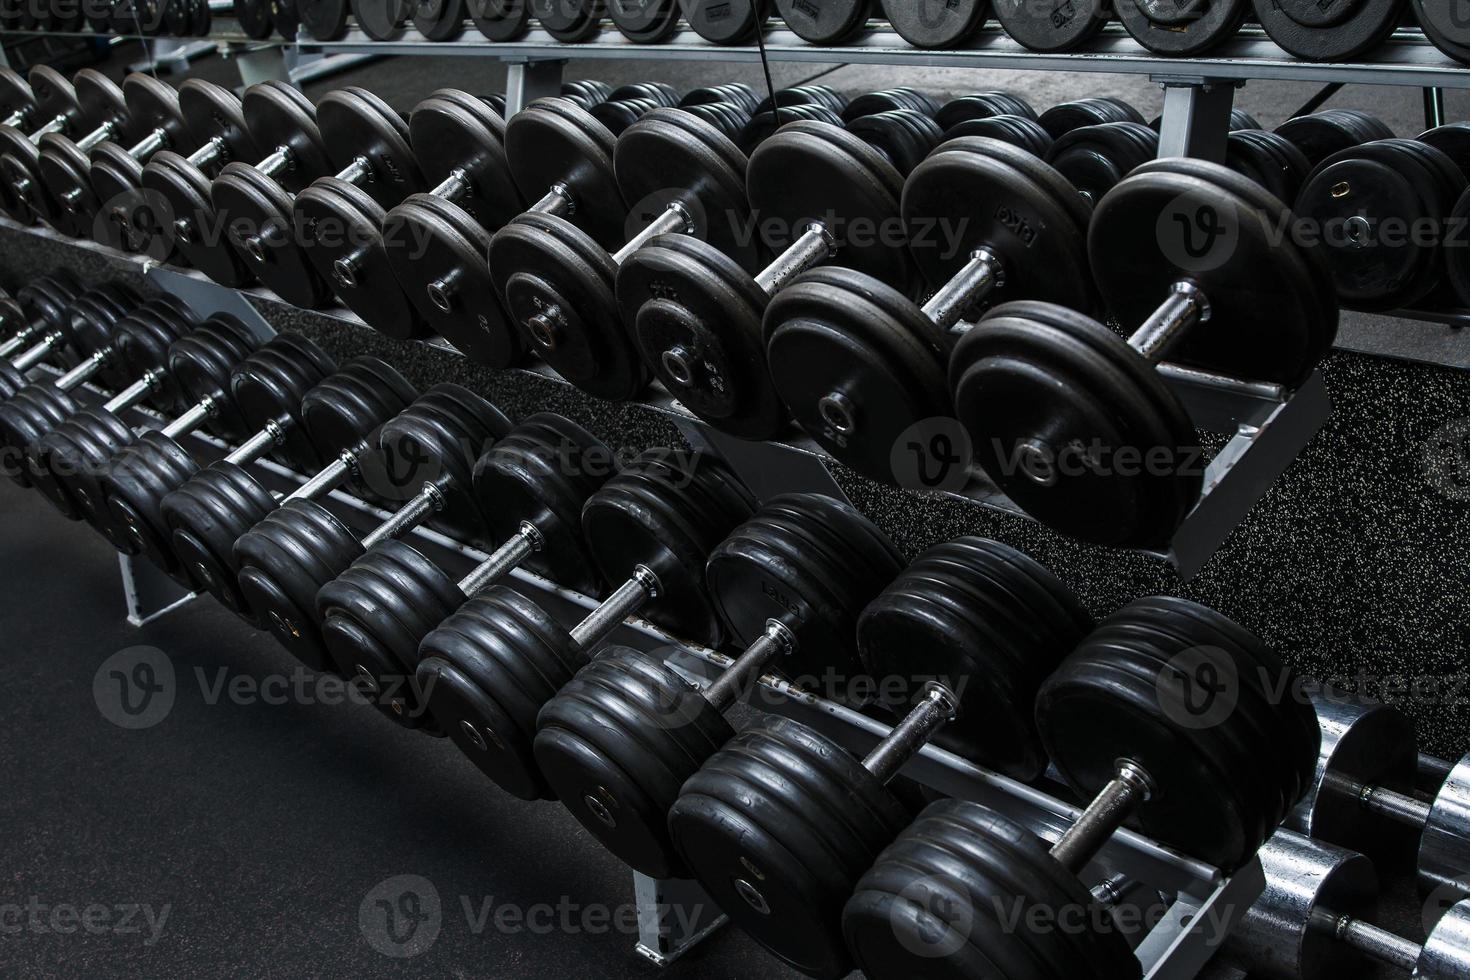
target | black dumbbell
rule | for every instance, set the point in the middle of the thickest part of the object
(1064, 117)
(154, 122)
(17, 101)
(488, 669)
(187, 375)
(645, 21)
(68, 108)
(256, 17)
(531, 486)
(272, 382)
(619, 740)
(1380, 209)
(213, 134)
(1341, 34)
(1073, 422)
(827, 24)
(1363, 794)
(194, 18)
(569, 21)
(1319, 135)
(970, 616)
(327, 20)
(734, 22)
(288, 556)
(281, 123)
(933, 24)
(91, 337)
(859, 364)
(1123, 723)
(36, 314)
(1314, 921)
(366, 142)
(553, 149)
(696, 314)
(1096, 158)
(982, 105)
(220, 503)
(1444, 28)
(1182, 33)
(628, 103)
(681, 175)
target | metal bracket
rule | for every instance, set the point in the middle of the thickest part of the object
(1196, 116)
(265, 63)
(674, 916)
(206, 298)
(149, 593)
(767, 468)
(529, 80)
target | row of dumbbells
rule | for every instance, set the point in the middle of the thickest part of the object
(747, 344)
(802, 843)
(146, 18)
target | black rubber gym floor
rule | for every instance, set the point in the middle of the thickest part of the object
(256, 828)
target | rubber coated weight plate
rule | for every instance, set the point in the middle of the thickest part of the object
(183, 217)
(325, 20)
(206, 516)
(453, 132)
(440, 20)
(346, 245)
(559, 293)
(382, 20)
(270, 385)
(696, 317)
(358, 126)
(1337, 31)
(281, 116)
(201, 18)
(554, 140)
(1051, 25)
(936, 23)
(726, 22)
(15, 93)
(1453, 140)
(1322, 134)
(645, 21)
(65, 171)
(212, 111)
(501, 20)
(569, 21)
(1096, 158)
(342, 413)
(1027, 134)
(1174, 220)
(982, 105)
(828, 23)
(254, 17)
(438, 257)
(1168, 28)
(286, 18)
(1446, 26)
(263, 230)
(1270, 160)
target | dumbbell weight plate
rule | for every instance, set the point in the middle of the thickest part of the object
(206, 518)
(1270, 160)
(201, 18)
(1453, 140)
(645, 21)
(428, 241)
(325, 20)
(349, 223)
(440, 20)
(181, 194)
(286, 18)
(452, 131)
(254, 18)
(1095, 158)
(668, 292)
(382, 20)
(936, 23)
(501, 20)
(279, 115)
(726, 22)
(178, 18)
(1445, 25)
(247, 198)
(1167, 28)
(345, 411)
(1331, 32)
(271, 384)
(1055, 25)
(830, 23)
(569, 21)
(557, 137)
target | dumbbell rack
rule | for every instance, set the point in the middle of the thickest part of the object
(1264, 430)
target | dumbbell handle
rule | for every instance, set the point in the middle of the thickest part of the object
(252, 449)
(213, 149)
(627, 599)
(1385, 802)
(1185, 306)
(1373, 941)
(134, 393)
(747, 668)
(981, 276)
(1129, 787)
(55, 125)
(812, 246)
(675, 219)
(427, 501)
(356, 172)
(558, 200)
(332, 476)
(197, 414)
(22, 337)
(937, 708)
(43, 349)
(16, 119)
(523, 544)
(85, 370)
(150, 144)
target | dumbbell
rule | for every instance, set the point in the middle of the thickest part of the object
(553, 149)
(696, 313)
(154, 122)
(1126, 728)
(1314, 921)
(80, 329)
(1181, 33)
(213, 134)
(1372, 205)
(326, 20)
(488, 669)
(818, 102)
(859, 364)
(288, 556)
(1064, 117)
(1073, 422)
(90, 334)
(996, 115)
(684, 176)
(983, 105)
(569, 23)
(645, 21)
(531, 486)
(936, 24)
(281, 121)
(735, 22)
(17, 101)
(1319, 135)
(1364, 786)
(1339, 34)
(617, 742)
(273, 382)
(36, 314)
(971, 616)
(220, 503)
(1444, 28)
(194, 18)
(261, 18)
(1094, 159)
(626, 104)
(828, 24)
(366, 142)
(83, 104)
(189, 377)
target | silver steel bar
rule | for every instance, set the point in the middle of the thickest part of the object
(913, 733)
(1103, 816)
(1184, 307)
(814, 245)
(631, 596)
(426, 502)
(743, 674)
(674, 220)
(196, 416)
(522, 545)
(980, 276)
